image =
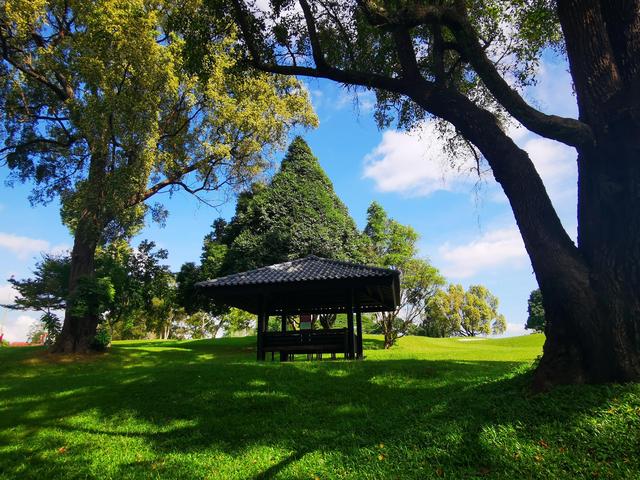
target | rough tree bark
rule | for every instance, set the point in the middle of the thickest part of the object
(600, 340)
(590, 290)
(78, 331)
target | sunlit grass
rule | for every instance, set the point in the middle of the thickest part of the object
(428, 408)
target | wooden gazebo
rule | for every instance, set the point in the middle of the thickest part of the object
(310, 285)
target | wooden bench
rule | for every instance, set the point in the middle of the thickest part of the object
(307, 341)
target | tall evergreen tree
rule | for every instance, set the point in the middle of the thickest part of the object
(296, 214)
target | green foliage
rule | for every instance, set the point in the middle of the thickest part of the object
(46, 329)
(138, 277)
(36, 332)
(238, 322)
(455, 311)
(52, 326)
(102, 340)
(46, 290)
(393, 245)
(535, 308)
(127, 283)
(313, 220)
(426, 409)
(101, 110)
(92, 297)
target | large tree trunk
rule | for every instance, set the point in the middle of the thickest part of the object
(593, 335)
(598, 339)
(590, 291)
(79, 330)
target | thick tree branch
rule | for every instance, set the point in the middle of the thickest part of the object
(542, 232)
(513, 169)
(21, 147)
(316, 50)
(62, 91)
(566, 130)
(353, 77)
(406, 54)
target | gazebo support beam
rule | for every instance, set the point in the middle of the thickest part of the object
(359, 349)
(283, 328)
(351, 343)
(259, 331)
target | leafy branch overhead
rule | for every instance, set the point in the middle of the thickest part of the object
(101, 110)
(99, 106)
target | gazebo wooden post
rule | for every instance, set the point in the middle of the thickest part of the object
(350, 330)
(262, 327)
(359, 349)
(259, 328)
(283, 328)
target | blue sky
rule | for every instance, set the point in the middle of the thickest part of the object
(465, 224)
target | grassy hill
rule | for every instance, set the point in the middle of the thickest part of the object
(428, 408)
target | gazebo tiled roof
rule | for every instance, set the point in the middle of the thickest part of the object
(305, 269)
(307, 285)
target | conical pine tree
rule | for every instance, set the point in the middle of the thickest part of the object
(297, 214)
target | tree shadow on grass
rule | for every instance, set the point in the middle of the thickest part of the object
(192, 403)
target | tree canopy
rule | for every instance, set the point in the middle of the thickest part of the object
(455, 311)
(393, 245)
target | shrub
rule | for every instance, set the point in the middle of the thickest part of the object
(102, 340)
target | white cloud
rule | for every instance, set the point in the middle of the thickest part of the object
(553, 92)
(515, 329)
(556, 164)
(414, 163)
(490, 251)
(7, 294)
(22, 247)
(402, 162)
(16, 329)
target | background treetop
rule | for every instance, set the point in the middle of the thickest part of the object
(296, 214)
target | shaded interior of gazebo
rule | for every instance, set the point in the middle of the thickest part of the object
(311, 285)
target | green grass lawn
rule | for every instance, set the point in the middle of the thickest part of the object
(428, 408)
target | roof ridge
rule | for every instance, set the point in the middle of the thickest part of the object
(353, 264)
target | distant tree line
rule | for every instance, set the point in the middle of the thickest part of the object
(295, 214)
